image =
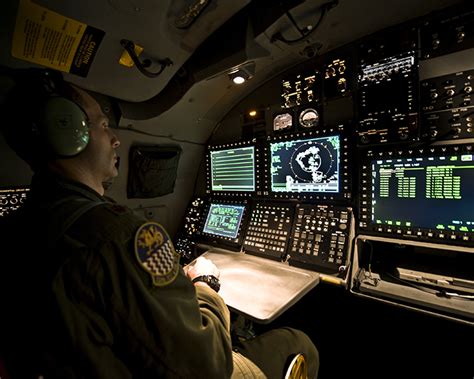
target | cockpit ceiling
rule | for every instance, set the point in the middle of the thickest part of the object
(200, 39)
(165, 29)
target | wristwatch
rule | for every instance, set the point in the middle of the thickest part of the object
(211, 281)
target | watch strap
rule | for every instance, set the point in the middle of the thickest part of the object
(211, 280)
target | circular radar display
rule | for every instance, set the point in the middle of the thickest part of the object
(313, 162)
(309, 118)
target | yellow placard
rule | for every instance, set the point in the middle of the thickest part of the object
(126, 59)
(49, 39)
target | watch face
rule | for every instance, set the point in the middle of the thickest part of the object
(309, 118)
(283, 121)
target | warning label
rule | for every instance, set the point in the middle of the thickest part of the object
(52, 40)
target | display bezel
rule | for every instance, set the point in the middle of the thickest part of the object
(344, 180)
(219, 240)
(399, 231)
(256, 161)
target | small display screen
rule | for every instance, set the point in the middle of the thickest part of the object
(390, 75)
(426, 192)
(305, 165)
(283, 121)
(223, 220)
(233, 170)
(11, 199)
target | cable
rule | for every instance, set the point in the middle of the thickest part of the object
(444, 293)
(302, 31)
(366, 276)
(129, 47)
(307, 31)
(161, 136)
(439, 293)
(370, 256)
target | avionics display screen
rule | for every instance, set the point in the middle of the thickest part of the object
(11, 199)
(224, 220)
(426, 192)
(390, 75)
(233, 169)
(306, 165)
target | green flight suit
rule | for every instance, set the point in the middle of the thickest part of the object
(96, 312)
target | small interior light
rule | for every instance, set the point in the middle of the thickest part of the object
(252, 113)
(242, 73)
(238, 79)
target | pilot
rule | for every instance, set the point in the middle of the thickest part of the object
(90, 289)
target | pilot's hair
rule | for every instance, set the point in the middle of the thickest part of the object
(22, 107)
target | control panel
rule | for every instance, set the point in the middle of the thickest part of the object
(312, 236)
(388, 100)
(269, 230)
(388, 87)
(320, 238)
(447, 33)
(337, 77)
(447, 106)
(185, 240)
(301, 89)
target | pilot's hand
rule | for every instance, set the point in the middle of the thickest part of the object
(202, 266)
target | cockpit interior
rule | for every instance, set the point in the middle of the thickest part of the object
(321, 151)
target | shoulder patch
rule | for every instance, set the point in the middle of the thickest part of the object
(155, 253)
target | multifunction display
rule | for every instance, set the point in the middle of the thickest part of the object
(425, 192)
(224, 220)
(305, 165)
(233, 169)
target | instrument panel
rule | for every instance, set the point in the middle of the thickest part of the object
(316, 237)
(374, 138)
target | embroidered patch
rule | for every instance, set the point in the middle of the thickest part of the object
(155, 253)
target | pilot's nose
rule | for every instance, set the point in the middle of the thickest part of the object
(115, 141)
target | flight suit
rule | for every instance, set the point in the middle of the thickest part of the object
(87, 307)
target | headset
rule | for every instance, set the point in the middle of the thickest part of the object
(59, 123)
